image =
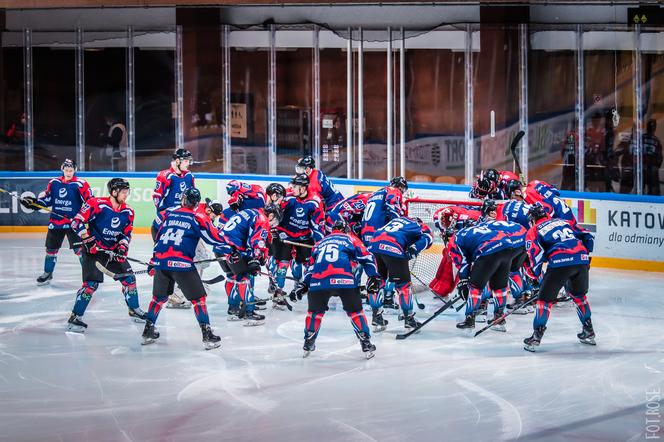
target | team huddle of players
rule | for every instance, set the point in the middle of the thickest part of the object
(327, 241)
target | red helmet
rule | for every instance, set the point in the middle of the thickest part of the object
(444, 218)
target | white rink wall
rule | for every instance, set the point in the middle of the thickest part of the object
(629, 229)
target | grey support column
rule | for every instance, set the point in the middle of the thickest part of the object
(272, 108)
(350, 152)
(402, 105)
(580, 111)
(523, 98)
(390, 108)
(316, 97)
(468, 81)
(27, 101)
(638, 106)
(80, 101)
(360, 107)
(227, 98)
(131, 122)
(179, 88)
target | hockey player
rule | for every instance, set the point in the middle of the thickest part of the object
(173, 262)
(302, 222)
(171, 183)
(483, 254)
(331, 274)
(243, 196)
(275, 195)
(64, 196)
(105, 226)
(486, 185)
(566, 247)
(247, 236)
(351, 210)
(548, 197)
(393, 245)
(383, 206)
(320, 185)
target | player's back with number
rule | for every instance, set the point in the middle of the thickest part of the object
(333, 259)
(399, 235)
(178, 236)
(247, 229)
(560, 242)
(382, 206)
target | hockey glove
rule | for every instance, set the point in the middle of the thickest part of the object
(90, 244)
(412, 252)
(373, 284)
(253, 267)
(299, 291)
(283, 236)
(151, 268)
(121, 252)
(463, 288)
(234, 257)
(28, 202)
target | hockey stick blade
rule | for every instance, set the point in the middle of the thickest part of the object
(35, 205)
(503, 316)
(116, 276)
(419, 304)
(513, 145)
(445, 306)
(296, 244)
(214, 280)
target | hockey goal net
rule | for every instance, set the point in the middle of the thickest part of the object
(425, 266)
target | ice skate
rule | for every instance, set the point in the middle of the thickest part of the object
(367, 347)
(234, 314)
(271, 287)
(278, 302)
(309, 344)
(410, 321)
(177, 301)
(210, 340)
(481, 314)
(587, 335)
(377, 321)
(45, 278)
(534, 341)
(150, 334)
(137, 315)
(75, 325)
(516, 303)
(468, 323)
(497, 322)
(253, 319)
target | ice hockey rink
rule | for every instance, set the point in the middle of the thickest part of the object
(436, 386)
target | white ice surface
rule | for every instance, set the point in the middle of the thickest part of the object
(435, 386)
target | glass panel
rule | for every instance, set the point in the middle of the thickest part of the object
(54, 95)
(375, 104)
(495, 95)
(154, 82)
(294, 97)
(551, 106)
(652, 61)
(105, 100)
(12, 118)
(333, 95)
(609, 111)
(435, 95)
(249, 62)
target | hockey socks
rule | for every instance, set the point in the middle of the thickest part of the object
(359, 322)
(50, 260)
(200, 310)
(474, 300)
(312, 324)
(542, 311)
(155, 307)
(280, 274)
(582, 307)
(405, 297)
(130, 292)
(83, 297)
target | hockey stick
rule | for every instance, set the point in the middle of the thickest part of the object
(445, 306)
(38, 206)
(214, 280)
(503, 316)
(296, 244)
(419, 304)
(287, 277)
(515, 142)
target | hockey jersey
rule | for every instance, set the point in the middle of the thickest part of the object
(514, 211)
(350, 209)
(382, 206)
(484, 239)
(334, 258)
(252, 195)
(548, 196)
(303, 218)
(320, 185)
(399, 236)
(559, 242)
(176, 241)
(65, 198)
(247, 232)
(161, 216)
(106, 224)
(169, 188)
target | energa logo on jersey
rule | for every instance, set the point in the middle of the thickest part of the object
(115, 222)
(299, 211)
(62, 192)
(183, 186)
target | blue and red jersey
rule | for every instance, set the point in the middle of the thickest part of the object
(333, 260)
(382, 206)
(161, 216)
(178, 236)
(548, 196)
(558, 241)
(169, 188)
(303, 218)
(320, 185)
(350, 209)
(484, 239)
(107, 225)
(252, 195)
(65, 198)
(397, 237)
(247, 232)
(514, 211)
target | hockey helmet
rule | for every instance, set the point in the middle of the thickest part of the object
(191, 197)
(340, 225)
(182, 154)
(117, 184)
(399, 182)
(275, 189)
(215, 206)
(276, 212)
(69, 163)
(536, 212)
(488, 206)
(301, 179)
